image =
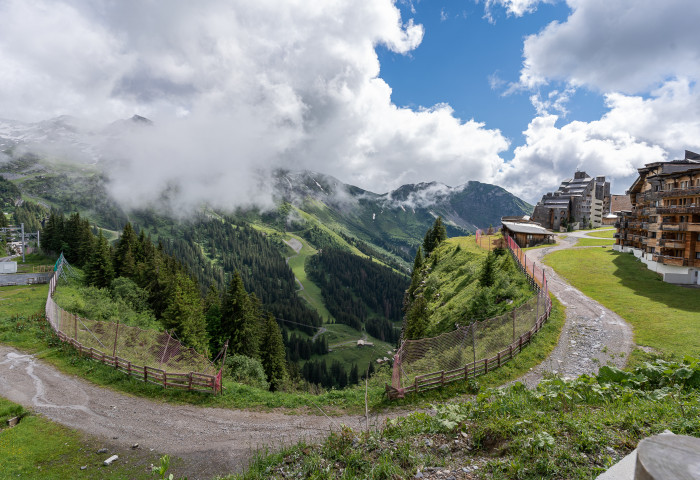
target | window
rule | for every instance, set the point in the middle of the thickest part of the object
(697, 254)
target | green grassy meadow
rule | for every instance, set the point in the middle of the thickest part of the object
(37, 448)
(664, 317)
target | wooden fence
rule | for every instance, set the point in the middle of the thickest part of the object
(193, 381)
(438, 379)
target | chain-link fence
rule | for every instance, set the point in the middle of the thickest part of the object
(475, 349)
(150, 355)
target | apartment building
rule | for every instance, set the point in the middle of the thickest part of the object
(579, 202)
(663, 226)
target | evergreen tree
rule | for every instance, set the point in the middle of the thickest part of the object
(124, 253)
(354, 375)
(488, 273)
(3, 220)
(184, 314)
(416, 319)
(212, 315)
(272, 354)
(238, 321)
(52, 236)
(434, 236)
(98, 271)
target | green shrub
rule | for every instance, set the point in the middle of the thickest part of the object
(246, 370)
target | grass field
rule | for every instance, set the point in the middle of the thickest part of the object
(37, 448)
(594, 242)
(603, 234)
(664, 317)
(311, 292)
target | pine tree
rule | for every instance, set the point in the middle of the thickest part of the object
(487, 275)
(185, 315)
(99, 271)
(238, 321)
(124, 255)
(354, 375)
(434, 236)
(272, 354)
(416, 319)
(212, 314)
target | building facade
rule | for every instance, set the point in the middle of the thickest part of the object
(579, 202)
(663, 227)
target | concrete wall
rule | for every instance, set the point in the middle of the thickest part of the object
(24, 278)
(8, 267)
(670, 273)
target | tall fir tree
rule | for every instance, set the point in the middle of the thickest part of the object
(272, 354)
(99, 271)
(212, 315)
(124, 253)
(238, 321)
(185, 315)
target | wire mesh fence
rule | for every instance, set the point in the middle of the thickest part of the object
(475, 349)
(150, 355)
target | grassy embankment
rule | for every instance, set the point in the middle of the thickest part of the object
(37, 448)
(664, 316)
(564, 429)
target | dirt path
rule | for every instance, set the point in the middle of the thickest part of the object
(211, 441)
(592, 336)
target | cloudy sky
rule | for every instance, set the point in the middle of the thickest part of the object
(519, 93)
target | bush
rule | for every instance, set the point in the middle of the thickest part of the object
(246, 370)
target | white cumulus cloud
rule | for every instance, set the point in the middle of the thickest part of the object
(235, 88)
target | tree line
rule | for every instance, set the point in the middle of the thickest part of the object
(359, 292)
(174, 296)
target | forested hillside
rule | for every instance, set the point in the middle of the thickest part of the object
(359, 292)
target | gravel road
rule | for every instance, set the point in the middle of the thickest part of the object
(592, 336)
(211, 441)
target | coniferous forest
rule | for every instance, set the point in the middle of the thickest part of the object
(359, 292)
(215, 280)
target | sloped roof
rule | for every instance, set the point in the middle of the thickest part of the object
(531, 228)
(619, 203)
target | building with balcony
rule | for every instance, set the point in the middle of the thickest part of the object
(663, 226)
(579, 202)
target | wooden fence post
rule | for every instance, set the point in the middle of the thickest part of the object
(513, 315)
(189, 386)
(486, 365)
(75, 326)
(116, 336)
(145, 373)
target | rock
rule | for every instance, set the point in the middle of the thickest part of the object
(419, 475)
(110, 460)
(135, 446)
(428, 442)
(610, 450)
(102, 450)
(444, 448)
(84, 467)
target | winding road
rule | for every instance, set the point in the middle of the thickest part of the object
(592, 335)
(214, 441)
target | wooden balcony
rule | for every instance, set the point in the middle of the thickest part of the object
(678, 209)
(669, 260)
(680, 227)
(678, 192)
(671, 243)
